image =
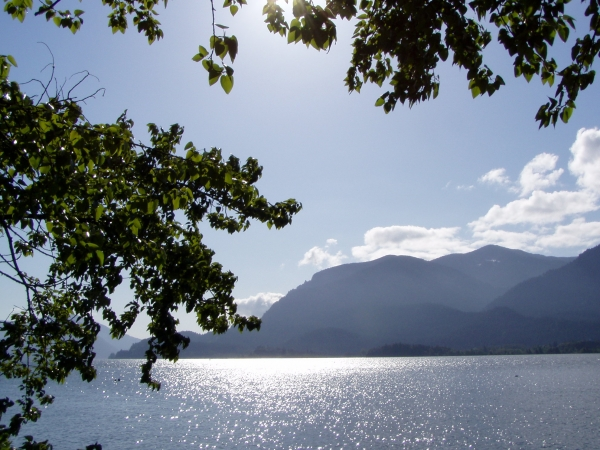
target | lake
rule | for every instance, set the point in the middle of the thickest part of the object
(491, 402)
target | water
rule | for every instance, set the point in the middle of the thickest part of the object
(494, 402)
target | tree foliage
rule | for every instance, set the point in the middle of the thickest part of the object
(400, 42)
(103, 208)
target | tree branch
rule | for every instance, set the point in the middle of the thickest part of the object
(45, 9)
(20, 273)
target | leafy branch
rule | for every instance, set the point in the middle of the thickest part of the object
(104, 208)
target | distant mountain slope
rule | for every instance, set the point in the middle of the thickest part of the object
(572, 291)
(502, 267)
(358, 296)
(348, 309)
(439, 325)
(428, 324)
(105, 345)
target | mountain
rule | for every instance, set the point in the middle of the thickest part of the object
(428, 324)
(360, 297)
(348, 309)
(105, 344)
(502, 267)
(572, 291)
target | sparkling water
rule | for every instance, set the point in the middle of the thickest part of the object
(487, 402)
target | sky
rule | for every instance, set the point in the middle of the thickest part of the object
(446, 176)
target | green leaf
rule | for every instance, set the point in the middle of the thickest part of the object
(34, 161)
(202, 51)
(12, 60)
(563, 33)
(227, 83)
(222, 27)
(380, 101)
(100, 255)
(443, 53)
(232, 46)
(213, 77)
(566, 114)
(228, 178)
(291, 37)
(98, 212)
(220, 48)
(233, 9)
(151, 206)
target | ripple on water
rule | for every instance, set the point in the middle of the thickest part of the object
(454, 402)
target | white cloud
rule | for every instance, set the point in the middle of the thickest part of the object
(495, 176)
(585, 164)
(257, 305)
(540, 217)
(578, 233)
(420, 242)
(464, 187)
(539, 174)
(539, 221)
(321, 258)
(538, 209)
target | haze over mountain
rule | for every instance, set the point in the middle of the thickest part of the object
(457, 301)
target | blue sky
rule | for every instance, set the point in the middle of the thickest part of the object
(446, 176)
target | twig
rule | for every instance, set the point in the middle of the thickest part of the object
(44, 9)
(51, 75)
(87, 74)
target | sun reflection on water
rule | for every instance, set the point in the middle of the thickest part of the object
(345, 402)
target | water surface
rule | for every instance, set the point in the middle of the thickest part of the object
(497, 402)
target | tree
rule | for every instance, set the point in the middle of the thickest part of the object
(400, 42)
(102, 207)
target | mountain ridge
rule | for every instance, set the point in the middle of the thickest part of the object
(571, 291)
(502, 267)
(346, 310)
